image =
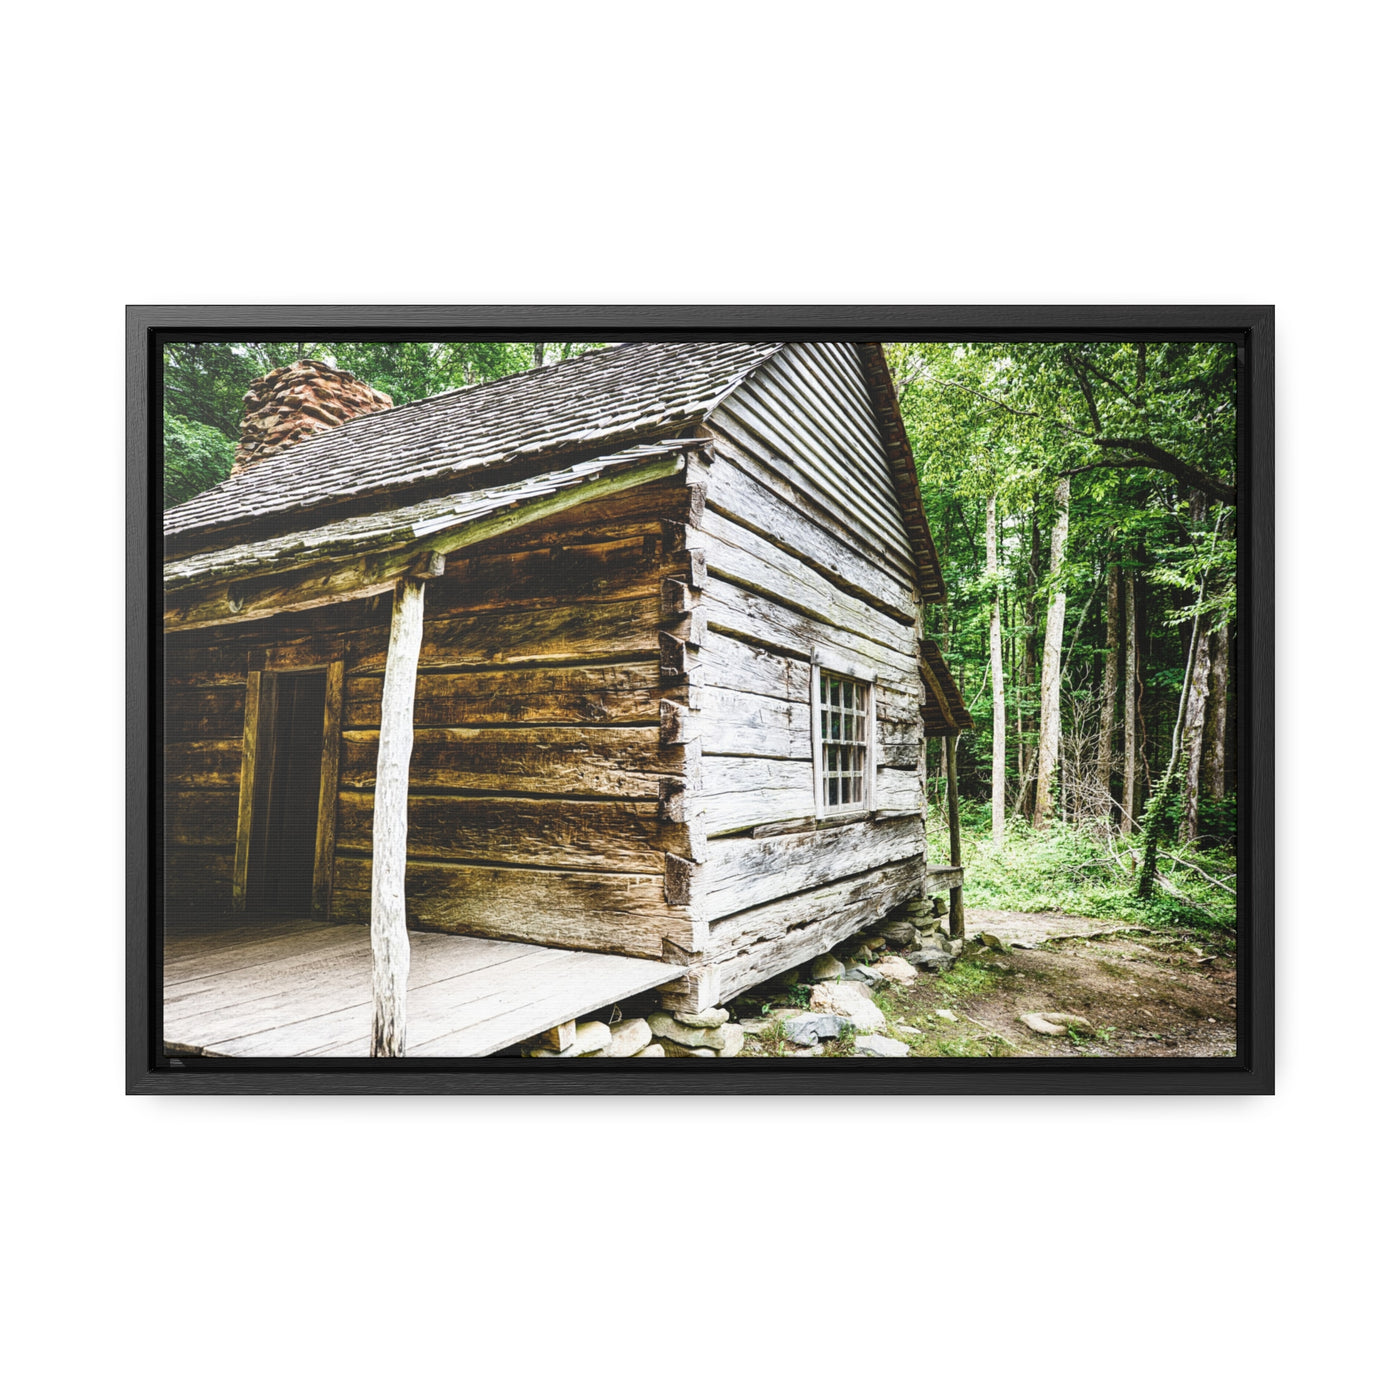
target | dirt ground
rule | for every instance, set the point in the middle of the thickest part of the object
(1143, 993)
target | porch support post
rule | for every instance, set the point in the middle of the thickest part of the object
(955, 894)
(388, 928)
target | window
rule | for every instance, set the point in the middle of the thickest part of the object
(843, 733)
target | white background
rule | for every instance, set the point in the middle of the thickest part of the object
(1193, 152)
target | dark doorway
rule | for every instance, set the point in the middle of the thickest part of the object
(286, 796)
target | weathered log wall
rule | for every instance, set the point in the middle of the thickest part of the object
(537, 794)
(804, 552)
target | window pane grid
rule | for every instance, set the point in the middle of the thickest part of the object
(844, 711)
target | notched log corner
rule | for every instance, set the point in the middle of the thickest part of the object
(682, 880)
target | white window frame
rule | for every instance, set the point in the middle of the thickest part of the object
(839, 668)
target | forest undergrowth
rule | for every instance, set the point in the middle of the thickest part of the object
(1091, 870)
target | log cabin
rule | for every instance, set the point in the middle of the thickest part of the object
(619, 661)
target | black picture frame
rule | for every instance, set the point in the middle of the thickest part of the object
(1251, 1071)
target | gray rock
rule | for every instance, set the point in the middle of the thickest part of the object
(940, 906)
(945, 1015)
(900, 934)
(881, 1046)
(826, 969)
(1065, 1018)
(897, 969)
(849, 1001)
(666, 1027)
(1040, 1025)
(990, 940)
(733, 1042)
(956, 947)
(655, 1051)
(808, 1027)
(930, 960)
(686, 1052)
(702, 1020)
(629, 1038)
(866, 976)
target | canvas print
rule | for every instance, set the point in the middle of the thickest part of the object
(699, 699)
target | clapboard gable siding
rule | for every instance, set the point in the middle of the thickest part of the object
(807, 413)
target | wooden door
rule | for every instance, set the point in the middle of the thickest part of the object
(286, 796)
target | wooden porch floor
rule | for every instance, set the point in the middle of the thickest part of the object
(268, 986)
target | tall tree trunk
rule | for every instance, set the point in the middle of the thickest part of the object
(539, 355)
(998, 691)
(1048, 767)
(1154, 817)
(1108, 712)
(1217, 715)
(1193, 739)
(1130, 703)
(1026, 797)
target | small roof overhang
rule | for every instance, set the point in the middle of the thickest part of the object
(367, 554)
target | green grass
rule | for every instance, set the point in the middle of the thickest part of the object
(1074, 870)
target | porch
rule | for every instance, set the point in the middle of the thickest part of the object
(271, 986)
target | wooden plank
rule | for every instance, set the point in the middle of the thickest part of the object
(622, 836)
(273, 994)
(204, 712)
(197, 960)
(742, 871)
(739, 665)
(339, 1023)
(569, 983)
(575, 633)
(738, 554)
(204, 763)
(560, 1037)
(772, 625)
(899, 788)
(944, 877)
(625, 692)
(583, 909)
(543, 760)
(547, 575)
(324, 864)
(388, 925)
(246, 782)
(760, 943)
(742, 792)
(739, 495)
(743, 725)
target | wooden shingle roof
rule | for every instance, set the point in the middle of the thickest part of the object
(583, 406)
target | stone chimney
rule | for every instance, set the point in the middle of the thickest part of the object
(294, 402)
